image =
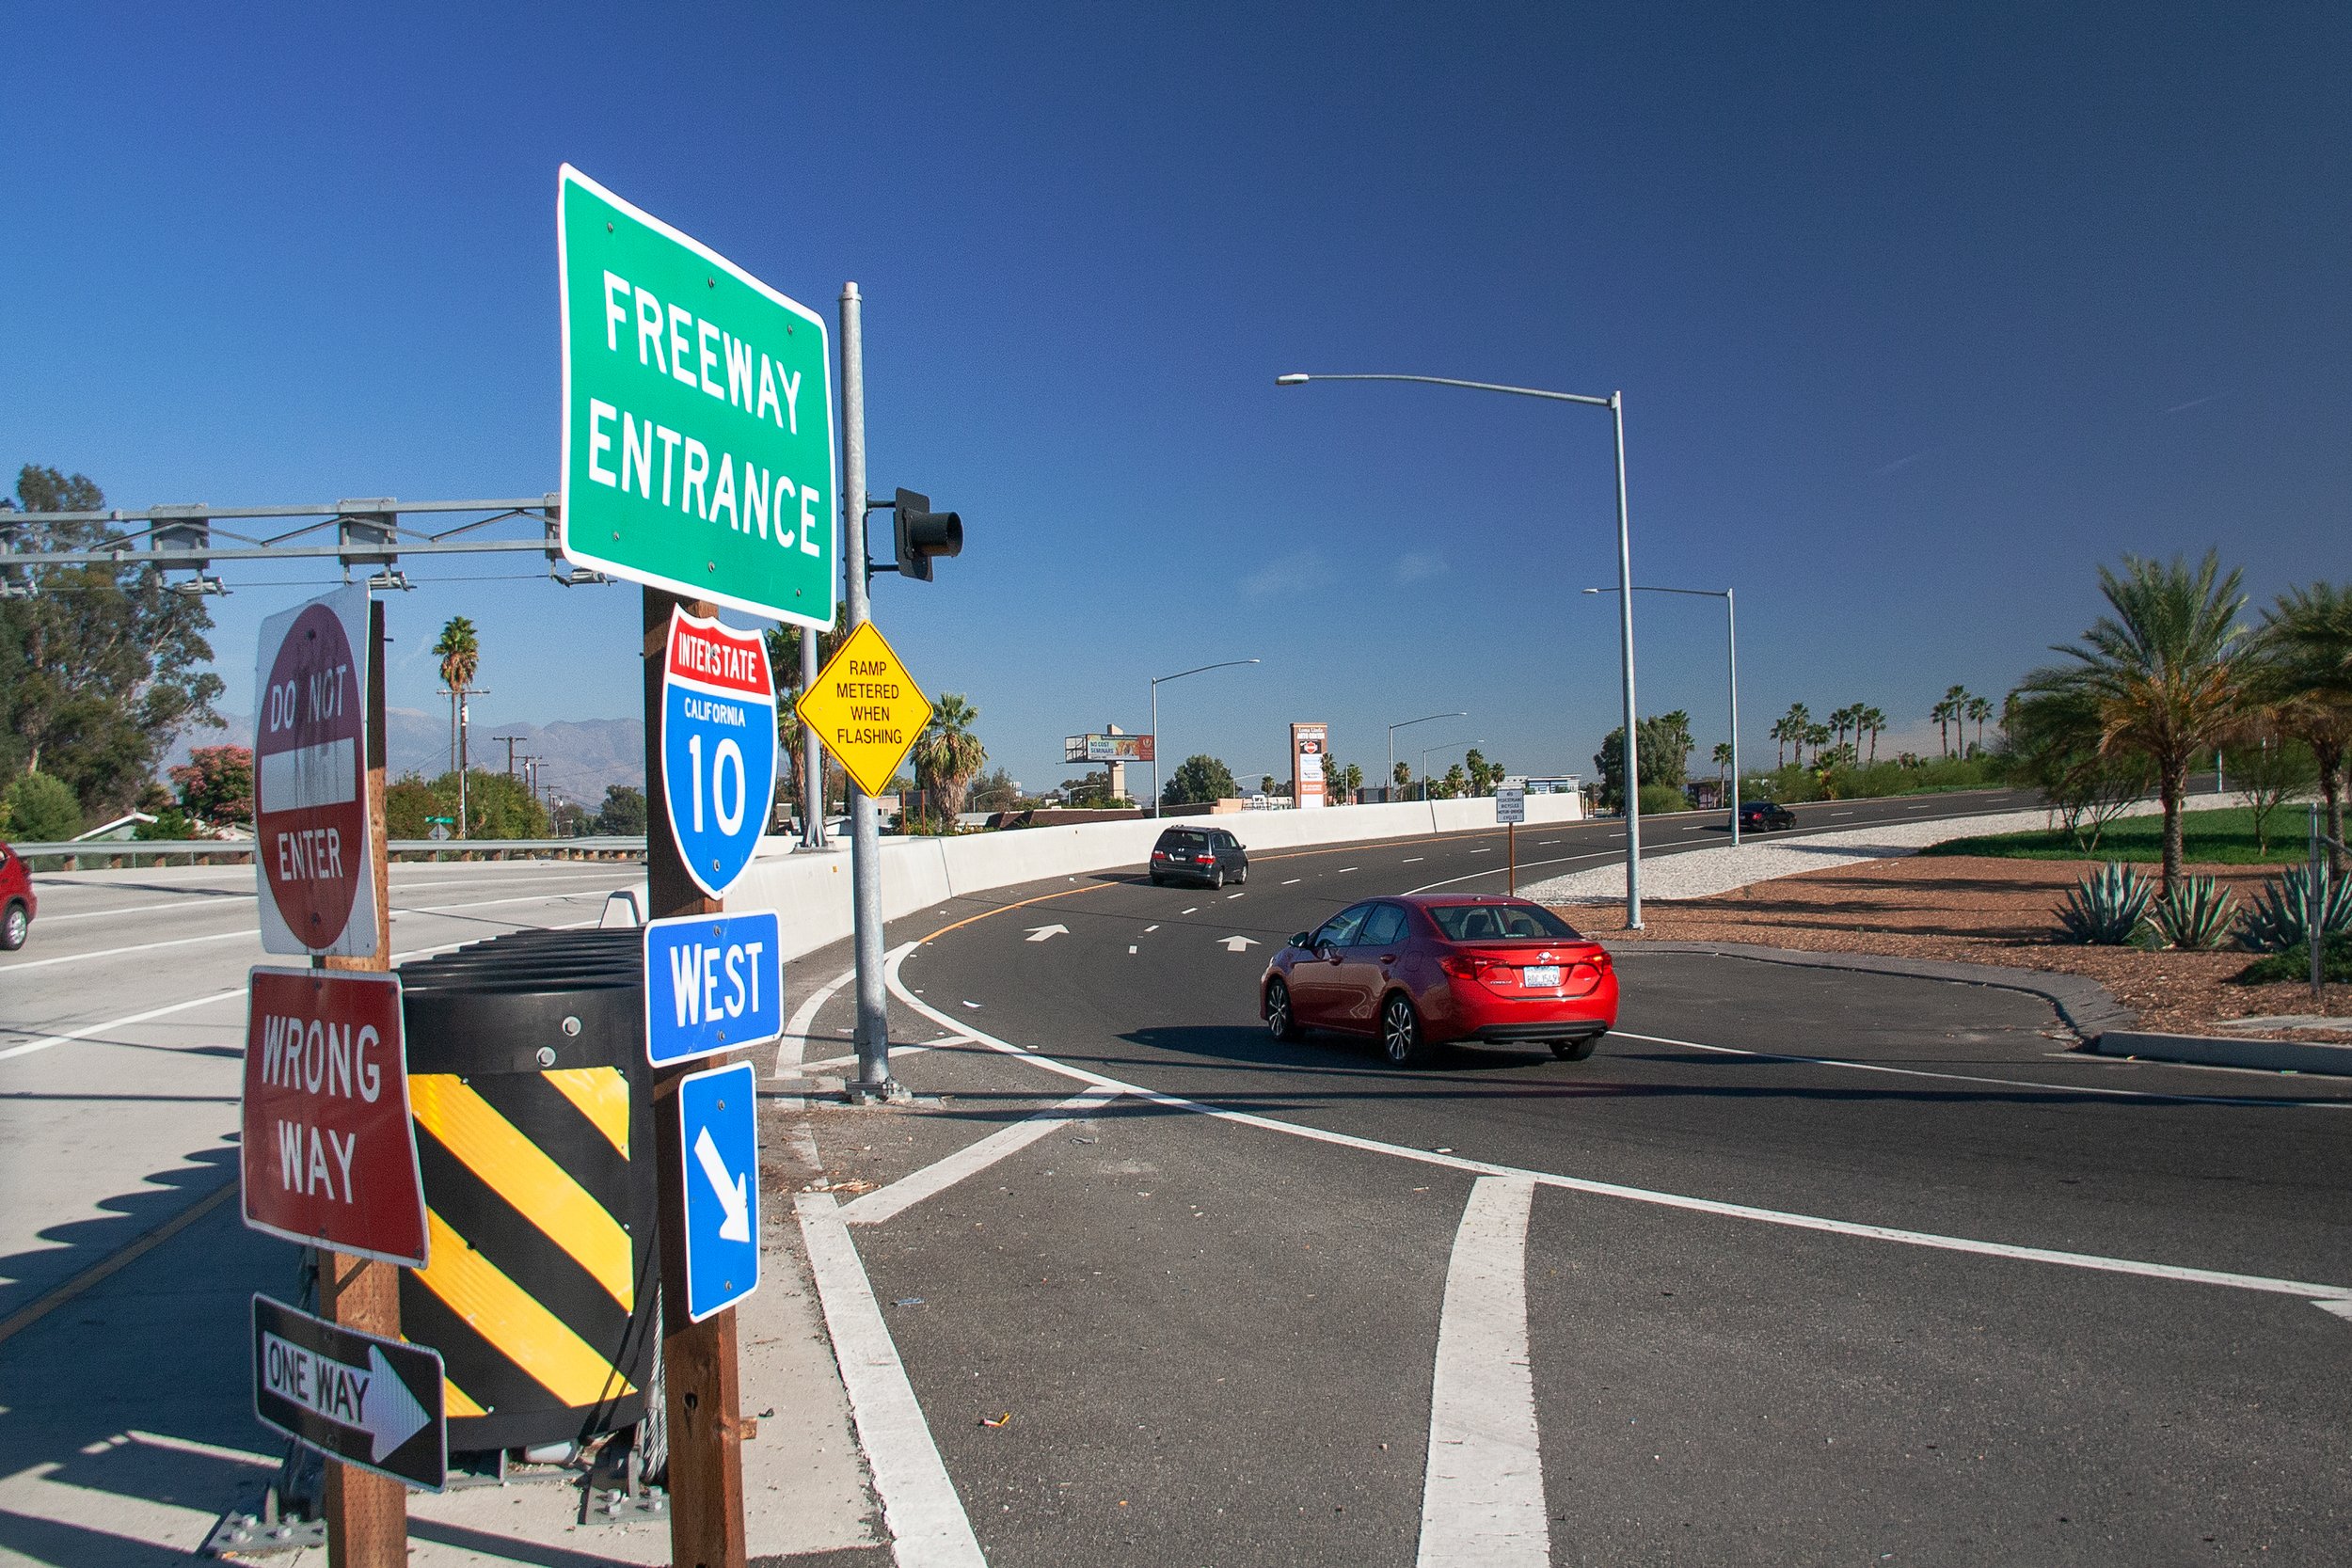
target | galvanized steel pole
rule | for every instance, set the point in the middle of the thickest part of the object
(1731, 624)
(873, 1008)
(1624, 622)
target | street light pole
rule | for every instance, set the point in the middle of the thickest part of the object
(1225, 664)
(1615, 403)
(1439, 747)
(1731, 624)
(1390, 782)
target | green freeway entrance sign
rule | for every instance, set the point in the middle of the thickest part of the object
(698, 444)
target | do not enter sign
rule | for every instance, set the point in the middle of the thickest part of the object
(310, 780)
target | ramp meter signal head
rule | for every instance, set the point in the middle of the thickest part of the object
(923, 533)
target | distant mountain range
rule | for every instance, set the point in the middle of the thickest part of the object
(584, 756)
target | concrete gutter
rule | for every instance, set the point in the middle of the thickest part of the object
(2083, 1004)
(2218, 1051)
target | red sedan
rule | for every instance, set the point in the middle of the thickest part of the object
(1419, 970)
(17, 903)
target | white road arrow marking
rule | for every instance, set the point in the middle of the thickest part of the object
(1236, 944)
(737, 1227)
(1047, 933)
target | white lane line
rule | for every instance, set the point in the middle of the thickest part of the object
(1997, 1083)
(926, 1520)
(89, 1029)
(177, 906)
(2340, 1308)
(1481, 1498)
(252, 932)
(1483, 849)
(1524, 866)
(1343, 870)
(1131, 948)
(2092, 1262)
(1547, 844)
(794, 1045)
(1148, 930)
(1291, 883)
(888, 1202)
(1195, 910)
(1409, 859)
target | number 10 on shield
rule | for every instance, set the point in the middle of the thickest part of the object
(718, 747)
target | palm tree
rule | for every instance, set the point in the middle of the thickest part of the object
(2305, 681)
(1723, 770)
(2164, 675)
(1947, 713)
(948, 753)
(1794, 727)
(1980, 709)
(1873, 720)
(460, 655)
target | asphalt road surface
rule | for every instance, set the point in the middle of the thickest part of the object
(1801, 1266)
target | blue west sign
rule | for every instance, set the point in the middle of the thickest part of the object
(718, 747)
(713, 983)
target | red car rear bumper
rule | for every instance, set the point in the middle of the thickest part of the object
(1464, 1009)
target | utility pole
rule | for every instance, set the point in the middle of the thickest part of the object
(512, 740)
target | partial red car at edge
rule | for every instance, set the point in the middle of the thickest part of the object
(17, 903)
(1421, 970)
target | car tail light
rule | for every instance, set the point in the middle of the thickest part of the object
(1476, 966)
(1204, 859)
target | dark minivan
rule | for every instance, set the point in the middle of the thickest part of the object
(1208, 855)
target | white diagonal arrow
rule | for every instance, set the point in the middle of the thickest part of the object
(1235, 944)
(737, 1227)
(388, 1411)
(1047, 933)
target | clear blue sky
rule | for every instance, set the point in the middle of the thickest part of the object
(1919, 314)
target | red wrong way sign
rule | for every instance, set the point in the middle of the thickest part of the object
(330, 1157)
(311, 779)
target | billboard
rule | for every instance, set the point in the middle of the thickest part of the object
(1106, 748)
(1308, 743)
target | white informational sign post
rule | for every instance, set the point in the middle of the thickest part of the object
(311, 847)
(1309, 744)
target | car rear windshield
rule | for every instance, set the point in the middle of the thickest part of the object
(1184, 841)
(1500, 922)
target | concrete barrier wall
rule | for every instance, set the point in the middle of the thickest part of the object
(811, 892)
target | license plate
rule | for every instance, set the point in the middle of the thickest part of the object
(1543, 975)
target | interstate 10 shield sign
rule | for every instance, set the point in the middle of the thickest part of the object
(718, 747)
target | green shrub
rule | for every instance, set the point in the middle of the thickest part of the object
(43, 810)
(2295, 964)
(1657, 799)
(2105, 908)
(169, 825)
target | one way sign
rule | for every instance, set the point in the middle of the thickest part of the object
(721, 1146)
(372, 1403)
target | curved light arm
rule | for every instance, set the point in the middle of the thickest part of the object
(1297, 379)
(1180, 674)
(1458, 713)
(1644, 588)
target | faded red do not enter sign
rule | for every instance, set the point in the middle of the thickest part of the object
(310, 780)
(330, 1156)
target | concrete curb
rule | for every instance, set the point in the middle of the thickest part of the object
(2084, 1004)
(2217, 1051)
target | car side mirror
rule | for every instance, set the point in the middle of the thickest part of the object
(1300, 939)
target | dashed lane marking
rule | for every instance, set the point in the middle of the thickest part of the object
(1292, 881)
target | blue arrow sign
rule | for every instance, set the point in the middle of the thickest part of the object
(721, 1146)
(713, 983)
(718, 747)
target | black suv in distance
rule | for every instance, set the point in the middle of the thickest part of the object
(1208, 855)
(1766, 815)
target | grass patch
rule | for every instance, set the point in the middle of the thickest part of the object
(2296, 964)
(2222, 837)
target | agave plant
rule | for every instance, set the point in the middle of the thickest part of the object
(2280, 915)
(2195, 912)
(2105, 908)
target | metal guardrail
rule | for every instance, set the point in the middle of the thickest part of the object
(163, 850)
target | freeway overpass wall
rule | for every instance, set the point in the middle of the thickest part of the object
(811, 892)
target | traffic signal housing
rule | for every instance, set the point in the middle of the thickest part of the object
(924, 534)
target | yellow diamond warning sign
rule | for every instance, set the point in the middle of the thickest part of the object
(865, 708)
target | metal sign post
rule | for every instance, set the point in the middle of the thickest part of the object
(1511, 810)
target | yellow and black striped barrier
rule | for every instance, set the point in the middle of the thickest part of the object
(534, 1131)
